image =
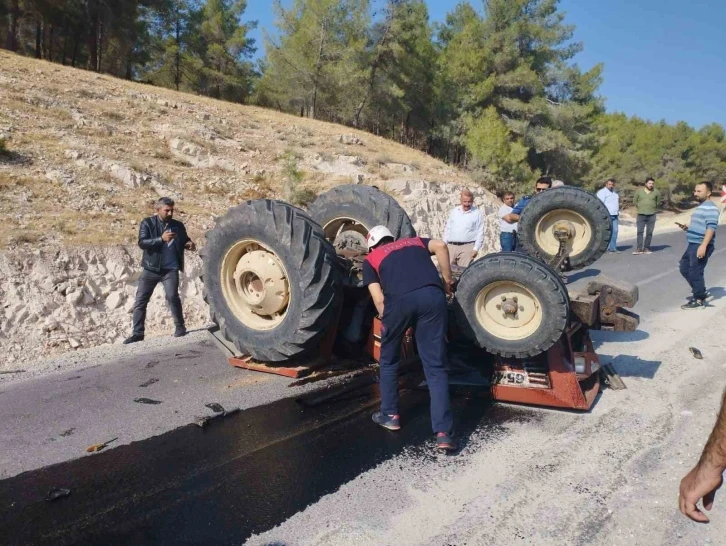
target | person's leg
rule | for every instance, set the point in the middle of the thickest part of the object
(684, 266)
(394, 323)
(507, 241)
(431, 343)
(640, 223)
(698, 267)
(453, 250)
(170, 281)
(147, 283)
(649, 227)
(614, 238)
(466, 255)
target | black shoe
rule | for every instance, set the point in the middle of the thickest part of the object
(133, 339)
(391, 422)
(180, 332)
(445, 442)
(695, 304)
(708, 297)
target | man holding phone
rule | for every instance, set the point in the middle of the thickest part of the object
(700, 235)
(163, 241)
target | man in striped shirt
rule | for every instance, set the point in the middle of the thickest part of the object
(700, 236)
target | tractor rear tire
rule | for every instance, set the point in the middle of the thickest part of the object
(583, 210)
(271, 280)
(540, 298)
(346, 214)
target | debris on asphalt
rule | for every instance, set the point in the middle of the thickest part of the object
(149, 382)
(215, 407)
(68, 432)
(203, 421)
(4, 372)
(609, 375)
(147, 401)
(57, 493)
(98, 447)
(696, 353)
(151, 364)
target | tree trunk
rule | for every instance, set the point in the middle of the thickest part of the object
(177, 57)
(374, 65)
(76, 43)
(11, 42)
(100, 46)
(38, 35)
(92, 38)
(318, 70)
(50, 43)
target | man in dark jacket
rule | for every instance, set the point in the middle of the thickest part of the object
(163, 240)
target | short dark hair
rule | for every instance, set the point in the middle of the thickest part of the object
(709, 186)
(545, 180)
(650, 179)
(507, 194)
(611, 180)
(164, 202)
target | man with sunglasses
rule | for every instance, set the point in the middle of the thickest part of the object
(543, 183)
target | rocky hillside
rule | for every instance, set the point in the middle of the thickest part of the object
(83, 156)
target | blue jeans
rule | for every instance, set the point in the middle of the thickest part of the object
(692, 269)
(508, 241)
(614, 238)
(423, 309)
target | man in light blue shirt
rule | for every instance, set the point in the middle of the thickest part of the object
(700, 236)
(464, 231)
(611, 200)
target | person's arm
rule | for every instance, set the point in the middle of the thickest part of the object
(447, 229)
(188, 243)
(479, 233)
(636, 198)
(707, 477)
(511, 218)
(439, 249)
(146, 241)
(377, 295)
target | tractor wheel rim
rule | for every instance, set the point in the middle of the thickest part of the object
(545, 232)
(508, 310)
(255, 285)
(338, 226)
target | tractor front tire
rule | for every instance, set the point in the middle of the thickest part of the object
(270, 280)
(577, 208)
(512, 305)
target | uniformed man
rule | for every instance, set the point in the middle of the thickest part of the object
(408, 292)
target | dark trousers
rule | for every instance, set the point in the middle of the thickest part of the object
(508, 241)
(645, 222)
(692, 269)
(147, 282)
(425, 311)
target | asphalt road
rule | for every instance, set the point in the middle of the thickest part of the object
(384, 495)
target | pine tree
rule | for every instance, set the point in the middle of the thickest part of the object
(227, 72)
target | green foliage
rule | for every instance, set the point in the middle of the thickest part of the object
(676, 156)
(292, 177)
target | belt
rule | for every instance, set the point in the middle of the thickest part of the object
(466, 243)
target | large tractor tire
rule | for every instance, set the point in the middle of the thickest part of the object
(346, 214)
(270, 280)
(512, 305)
(578, 211)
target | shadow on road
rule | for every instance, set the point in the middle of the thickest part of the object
(600, 336)
(717, 292)
(584, 274)
(632, 366)
(623, 248)
(658, 248)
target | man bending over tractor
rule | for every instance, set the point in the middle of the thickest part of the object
(407, 292)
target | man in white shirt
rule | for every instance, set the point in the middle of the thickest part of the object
(464, 231)
(612, 201)
(507, 231)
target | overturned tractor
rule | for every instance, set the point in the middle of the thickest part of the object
(284, 288)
